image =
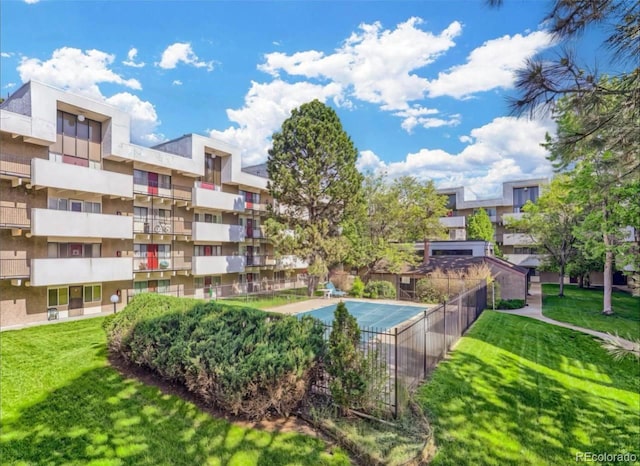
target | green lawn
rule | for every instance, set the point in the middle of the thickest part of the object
(521, 392)
(63, 404)
(583, 307)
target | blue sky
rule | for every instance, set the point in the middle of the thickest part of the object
(420, 86)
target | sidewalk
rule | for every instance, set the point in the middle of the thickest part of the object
(534, 311)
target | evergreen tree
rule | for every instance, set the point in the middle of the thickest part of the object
(316, 187)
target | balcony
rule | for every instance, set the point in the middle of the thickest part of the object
(14, 217)
(257, 260)
(65, 223)
(153, 188)
(14, 268)
(69, 270)
(255, 207)
(291, 262)
(51, 174)
(208, 198)
(506, 218)
(159, 264)
(517, 239)
(452, 222)
(218, 232)
(523, 260)
(153, 225)
(216, 265)
(15, 166)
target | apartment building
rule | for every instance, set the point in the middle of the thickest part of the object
(517, 248)
(85, 214)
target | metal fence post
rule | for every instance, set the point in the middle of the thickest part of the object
(444, 327)
(395, 347)
(424, 343)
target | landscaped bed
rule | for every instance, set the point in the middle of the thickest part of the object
(62, 403)
(522, 392)
(583, 307)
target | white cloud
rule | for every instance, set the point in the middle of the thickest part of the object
(76, 71)
(177, 82)
(82, 73)
(131, 59)
(377, 65)
(418, 116)
(266, 106)
(489, 66)
(6, 54)
(31, 2)
(9, 85)
(144, 120)
(182, 52)
(506, 148)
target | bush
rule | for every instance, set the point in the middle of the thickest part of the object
(380, 289)
(357, 290)
(510, 304)
(242, 360)
(356, 379)
(427, 291)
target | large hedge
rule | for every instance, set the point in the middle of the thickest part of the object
(242, 360)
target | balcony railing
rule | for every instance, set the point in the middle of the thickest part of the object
(152, 224)
(254, 233)
(182, 192)
(14, 268)
(14, 217)
(182, 227)
(259, 260)
(167, 262)
(15, 165)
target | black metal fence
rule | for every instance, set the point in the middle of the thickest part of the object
(407, 354)
(247, 291)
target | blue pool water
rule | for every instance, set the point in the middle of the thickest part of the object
(369, 314)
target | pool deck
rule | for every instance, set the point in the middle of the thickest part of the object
(313, 304)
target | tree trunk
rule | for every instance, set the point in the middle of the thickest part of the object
(580, 281)
(561, 293)
(608, 279)
(312, 283)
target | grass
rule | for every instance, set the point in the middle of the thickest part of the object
(63, 404)
(583, 307)
(521, 392)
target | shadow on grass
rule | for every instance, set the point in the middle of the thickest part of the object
(504, 398)
(101, 418)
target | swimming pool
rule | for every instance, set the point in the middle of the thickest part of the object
(369, 314)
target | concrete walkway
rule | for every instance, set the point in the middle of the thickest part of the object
(534, 311)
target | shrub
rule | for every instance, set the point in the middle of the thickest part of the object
(510, 304)
(356, 379)
(241, 360)
(380, 289)
(427, 291)
(357, 290)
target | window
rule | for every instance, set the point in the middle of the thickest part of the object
(207, 250)
(58, 296)
(207, 218)
(164, 181)
(74, 205)
(206, 282)
(140, 214)
(522, 195)
(92, 293)
(139, 287)
(140, 177)
(62, 250)
(77, 140)
(451, 201)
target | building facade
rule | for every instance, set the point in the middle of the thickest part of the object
(85, 214)
(517, 248)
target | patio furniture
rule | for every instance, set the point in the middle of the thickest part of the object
(333, 291)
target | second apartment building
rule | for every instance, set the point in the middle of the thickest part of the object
(86, 214)
(517, 248)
